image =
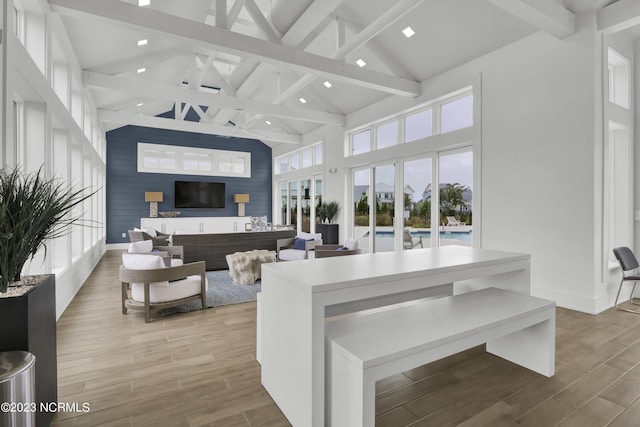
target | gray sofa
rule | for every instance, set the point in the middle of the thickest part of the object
(213, 247)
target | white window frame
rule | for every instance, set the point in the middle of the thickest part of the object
(436, 108)
(215, 156)
(291, 154)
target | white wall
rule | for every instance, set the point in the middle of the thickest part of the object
(541, 142)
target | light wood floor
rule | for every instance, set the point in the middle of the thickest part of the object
(199, 368)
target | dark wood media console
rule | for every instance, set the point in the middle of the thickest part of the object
(212, 247)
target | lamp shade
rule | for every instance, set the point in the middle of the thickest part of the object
(153, 196)
(241, 198)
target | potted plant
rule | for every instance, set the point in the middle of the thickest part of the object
(33, 210)
(326, 212)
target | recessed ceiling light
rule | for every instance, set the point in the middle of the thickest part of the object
(304, 101)
(327, 84)
(141, 70)
(361, 63)
(143, 42)
(408, 32)
(268, 122)
(144, 2)
(139, 104)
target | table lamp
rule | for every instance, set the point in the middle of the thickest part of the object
(153, 197)
(241, 199)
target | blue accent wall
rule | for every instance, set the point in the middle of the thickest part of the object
(126, 187)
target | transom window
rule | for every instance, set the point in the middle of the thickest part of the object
(157, 158)
(445, 115)
(299, 159)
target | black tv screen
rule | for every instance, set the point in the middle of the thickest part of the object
(199, 195)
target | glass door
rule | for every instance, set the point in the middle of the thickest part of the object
(384, 212)
(374, 208)
(416, 203)
(361, 209)
(455, 176)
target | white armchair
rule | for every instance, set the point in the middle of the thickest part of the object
(300, 247)
(148, 284)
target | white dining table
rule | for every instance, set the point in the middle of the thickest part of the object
(297, 296)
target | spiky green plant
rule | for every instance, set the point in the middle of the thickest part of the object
(33, 209)
(331, 209)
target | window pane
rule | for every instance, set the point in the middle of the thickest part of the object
(293, 203)
(456, 197)
(361, 142)
(283, 203)
(417, 204)
(295, 161)
(418, 125)
(284, 164)
(385, 207)
(361, 226)
(457, 114)
(387, 135)
(305, 205)
(307, 158)
(318, 154)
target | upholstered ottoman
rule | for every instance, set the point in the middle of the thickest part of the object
(244, 267)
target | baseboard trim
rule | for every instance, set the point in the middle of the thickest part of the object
(566, 300)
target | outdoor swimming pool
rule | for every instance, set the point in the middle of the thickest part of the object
(462, 236)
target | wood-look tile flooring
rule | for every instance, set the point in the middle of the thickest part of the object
(199, 368)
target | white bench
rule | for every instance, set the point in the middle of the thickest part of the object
(363, 348)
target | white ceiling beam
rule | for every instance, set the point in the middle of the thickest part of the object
(206, 36)
(311, 18)
(221, 14)
(145, 88)
(618, 16)
(197, 82)
(224, 84)
(196, 127)
(234, 12)
(547, 15)
(392, 14)
(391, 63)
(135, 62)
(261, 21)
(309, 25)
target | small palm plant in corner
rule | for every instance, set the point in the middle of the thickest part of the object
(33, 209)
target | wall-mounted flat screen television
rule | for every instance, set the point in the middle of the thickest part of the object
(199, 195)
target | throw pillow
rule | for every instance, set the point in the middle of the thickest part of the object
(144, 262)
(351, 243)
(300, 243)
(309, 236)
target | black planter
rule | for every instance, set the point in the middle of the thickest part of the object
(28, 323)
(329, 233)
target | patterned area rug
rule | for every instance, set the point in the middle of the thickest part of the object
(220, 291)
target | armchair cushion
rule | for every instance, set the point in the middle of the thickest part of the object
(174, 290)
(295, 254)
(144, 262)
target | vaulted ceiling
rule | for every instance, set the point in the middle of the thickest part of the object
(245, 65)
